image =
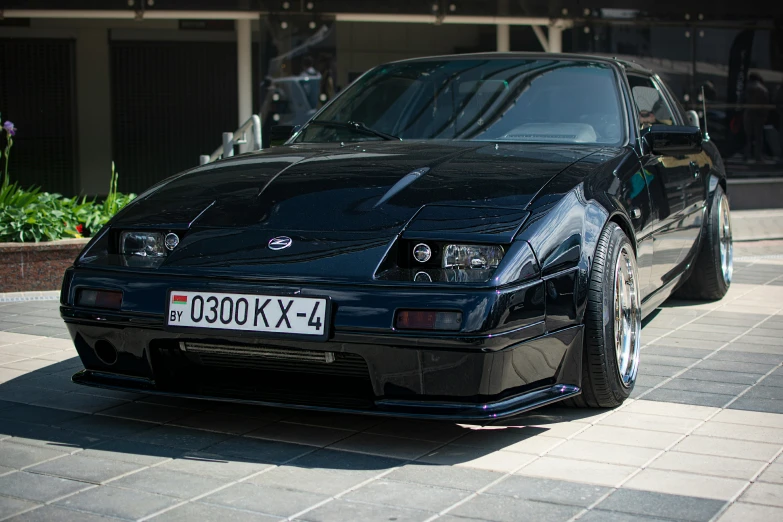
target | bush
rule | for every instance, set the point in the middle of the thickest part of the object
(32, 215)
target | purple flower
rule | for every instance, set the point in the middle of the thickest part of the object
(9, 128)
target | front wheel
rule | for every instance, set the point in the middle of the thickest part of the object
(714, 265)
(613, 323)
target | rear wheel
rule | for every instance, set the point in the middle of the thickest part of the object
(613, 323)
(714, 265)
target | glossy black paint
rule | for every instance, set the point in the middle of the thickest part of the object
(353, 213)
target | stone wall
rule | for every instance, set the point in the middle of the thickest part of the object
(27, 267)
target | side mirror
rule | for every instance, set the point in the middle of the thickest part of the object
(279, 134)
(673, 140)
(693, 118)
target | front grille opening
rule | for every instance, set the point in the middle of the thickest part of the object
(270, 374)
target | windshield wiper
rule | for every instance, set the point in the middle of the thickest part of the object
(355, 125)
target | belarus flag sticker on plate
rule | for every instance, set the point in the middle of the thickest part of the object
(249, 312)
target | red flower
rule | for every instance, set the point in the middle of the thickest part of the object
(80, 228)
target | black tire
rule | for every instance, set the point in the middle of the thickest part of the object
(602, 385)
(706, 280)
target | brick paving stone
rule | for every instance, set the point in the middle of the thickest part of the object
(503, 509)
(11, 506)
(755, 404)
(329, 472)
(604, 452)
(107, 426)
(707, 465)
(167, 482)
(774, 474)
(53, 513)
(444, 476)
(38, 488)
(597, 473)
(749, 418)
(335, 420)
(530, 439)
(740, 432)
(648, 503)
(629, 436)
(116, 502)
(414, 429)
(221, 422)
(743, 512)
(269, 451)
(653, 369)
(720, 376)
(300, 434)
(145, 412)
(643, 421)
(384, 446)
(688, 397)
(727, 448)
(86, 469)
(17, 456)
(763, 493)
(406, 495)
(176, 437)
(215, 466)
(728, 354)
(599, 515)
(262, 499)
(342, 510)
(666, 360)
(471, 457)
(37, 414)
(692, 354)
(133, 452)
(734, 366)
(689, 484)
(545, 490)
(209, 513)
(710, 387)
(78, 402)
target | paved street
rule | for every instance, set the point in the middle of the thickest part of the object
(701, 439)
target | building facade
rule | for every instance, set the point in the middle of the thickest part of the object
(151, 84)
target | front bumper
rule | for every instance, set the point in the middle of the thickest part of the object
(510, 364)
(366, 378)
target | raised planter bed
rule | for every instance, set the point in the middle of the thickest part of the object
(28, 267)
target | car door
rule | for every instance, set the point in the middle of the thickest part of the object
(671, 180)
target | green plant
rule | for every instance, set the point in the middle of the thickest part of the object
(32, 215)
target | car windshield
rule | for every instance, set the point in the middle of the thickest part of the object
(505, 100)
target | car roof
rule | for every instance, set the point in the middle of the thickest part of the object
(625, 64)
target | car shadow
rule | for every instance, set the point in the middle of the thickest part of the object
(43, 409)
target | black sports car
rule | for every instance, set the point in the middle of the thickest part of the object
(459, 237)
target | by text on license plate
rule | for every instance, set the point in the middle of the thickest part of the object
(248, 312)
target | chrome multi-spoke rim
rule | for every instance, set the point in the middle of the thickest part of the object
(627, 316)
(724, 236)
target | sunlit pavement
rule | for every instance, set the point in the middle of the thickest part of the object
(701, 440)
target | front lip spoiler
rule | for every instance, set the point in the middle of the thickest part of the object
(453, 411)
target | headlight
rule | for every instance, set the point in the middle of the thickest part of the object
(144, 244)
(472, 256)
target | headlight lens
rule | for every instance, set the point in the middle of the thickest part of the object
(472, 256)
(144, 244)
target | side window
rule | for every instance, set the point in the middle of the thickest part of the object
(650, 103)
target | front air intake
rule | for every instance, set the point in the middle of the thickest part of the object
(257, 352)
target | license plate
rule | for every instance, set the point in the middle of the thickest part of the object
(248, 312)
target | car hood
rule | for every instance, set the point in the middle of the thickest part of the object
(334, 200)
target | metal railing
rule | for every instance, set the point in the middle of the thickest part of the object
(238, 137)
